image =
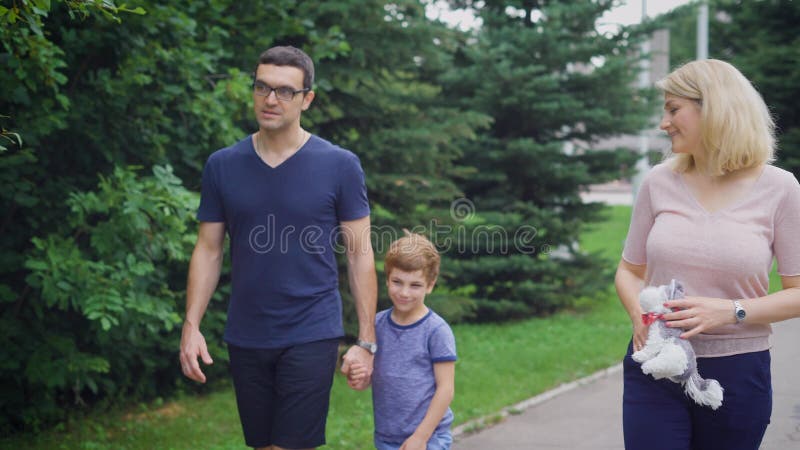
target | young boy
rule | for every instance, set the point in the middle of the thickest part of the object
(414, 370)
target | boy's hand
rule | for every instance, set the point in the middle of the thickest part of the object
(414, 443)
(358, 376)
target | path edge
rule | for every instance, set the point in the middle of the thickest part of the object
(482, 423)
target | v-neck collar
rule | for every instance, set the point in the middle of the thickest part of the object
(282, 163)
(730, 205)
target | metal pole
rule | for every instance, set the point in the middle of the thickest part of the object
(643, 164)
(702, 30)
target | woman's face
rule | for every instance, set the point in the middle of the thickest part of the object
(681, 121)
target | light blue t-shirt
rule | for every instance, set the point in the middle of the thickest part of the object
(403, 382)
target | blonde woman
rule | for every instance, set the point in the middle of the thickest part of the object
(714, 216)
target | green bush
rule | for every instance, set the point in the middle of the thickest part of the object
(106, 299)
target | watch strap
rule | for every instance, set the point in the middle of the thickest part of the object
(369, 346)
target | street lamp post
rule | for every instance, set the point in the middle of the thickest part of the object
(702, 30)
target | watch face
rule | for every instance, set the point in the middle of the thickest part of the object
(740, 314)
(369, 346)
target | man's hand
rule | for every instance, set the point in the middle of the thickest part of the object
(193, 344)
(357, 365)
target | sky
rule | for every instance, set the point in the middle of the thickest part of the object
(629, 12)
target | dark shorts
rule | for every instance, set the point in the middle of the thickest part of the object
(283, 394)
(657, 414)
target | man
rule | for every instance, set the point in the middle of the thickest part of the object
(282, 195)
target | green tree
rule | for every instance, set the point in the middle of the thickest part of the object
(382, 100)
(761, 39)
(90, 96)
(551, 82)
(161, 89)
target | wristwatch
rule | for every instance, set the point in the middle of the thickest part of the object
(739, 311)
(369, 346)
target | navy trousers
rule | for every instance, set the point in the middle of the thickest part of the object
(657, 414)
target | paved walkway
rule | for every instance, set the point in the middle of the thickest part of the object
(589, 415)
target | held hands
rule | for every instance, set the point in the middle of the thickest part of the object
(698, 314)
(357, 365)
(357, 377)
(193, 344)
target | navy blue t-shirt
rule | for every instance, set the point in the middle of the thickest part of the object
(282, 224)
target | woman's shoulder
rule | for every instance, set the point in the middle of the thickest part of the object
(662, 170)
(661, 175)
(776, 175)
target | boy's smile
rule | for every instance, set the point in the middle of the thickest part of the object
(407, 291)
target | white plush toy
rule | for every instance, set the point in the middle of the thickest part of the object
(666, 355)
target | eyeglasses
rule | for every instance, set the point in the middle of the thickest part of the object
(285, 93)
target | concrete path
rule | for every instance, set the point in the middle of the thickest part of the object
(589, 415)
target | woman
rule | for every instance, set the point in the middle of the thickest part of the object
(713, 216)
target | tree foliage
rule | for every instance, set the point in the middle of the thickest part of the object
(551, 83)
(105, 312)
(100, 270)
(92, 274)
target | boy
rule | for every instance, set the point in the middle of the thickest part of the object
(414, 368)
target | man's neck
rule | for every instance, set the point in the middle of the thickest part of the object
(283, 142)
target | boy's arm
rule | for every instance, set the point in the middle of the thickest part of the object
(445, 374)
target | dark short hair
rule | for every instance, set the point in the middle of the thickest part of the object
(290, 56)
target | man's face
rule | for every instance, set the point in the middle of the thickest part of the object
(273, 114)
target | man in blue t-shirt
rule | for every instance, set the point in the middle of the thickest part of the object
(283, 196)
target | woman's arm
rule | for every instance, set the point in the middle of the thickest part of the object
(699, 314)
(629, 281)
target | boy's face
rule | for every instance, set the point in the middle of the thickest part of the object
(407, 290)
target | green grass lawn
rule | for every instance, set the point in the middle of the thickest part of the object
(499, 365)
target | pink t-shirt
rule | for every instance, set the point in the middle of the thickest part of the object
(724, 254)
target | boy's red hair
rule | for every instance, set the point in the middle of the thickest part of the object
(413, 252)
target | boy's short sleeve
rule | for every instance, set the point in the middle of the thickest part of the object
(635, 251)
(786, 244)
(211, 208)
(351, 203)
(442, 344)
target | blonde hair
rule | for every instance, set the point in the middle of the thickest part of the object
(737, 131)
(413, 252)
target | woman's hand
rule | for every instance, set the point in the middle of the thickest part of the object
(640, 331)
(698, 314)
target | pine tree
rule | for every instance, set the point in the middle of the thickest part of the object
(554, 86)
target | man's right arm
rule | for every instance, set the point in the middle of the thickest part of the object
(204, 271)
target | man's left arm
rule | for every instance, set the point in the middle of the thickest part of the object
(363, 287)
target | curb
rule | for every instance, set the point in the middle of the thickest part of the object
(482, 423)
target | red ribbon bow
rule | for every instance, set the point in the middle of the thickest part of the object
(649, 318)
